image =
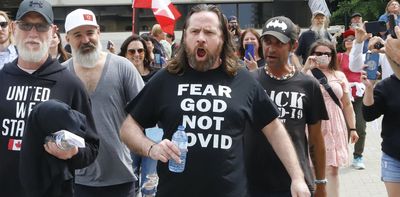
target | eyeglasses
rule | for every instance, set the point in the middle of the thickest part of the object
(3, 24)
(322, 53)
(348, 40)
(133, 51)
(40, 27)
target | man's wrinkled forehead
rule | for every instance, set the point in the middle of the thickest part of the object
(204, 19)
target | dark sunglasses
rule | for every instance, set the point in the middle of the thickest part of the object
(40, 27)
(3, 24)
(323, 53)
(133, 51)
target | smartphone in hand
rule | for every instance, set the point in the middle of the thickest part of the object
(249, 51)
(109, 44)
(375, 27)
(372, 62)
(392, 24)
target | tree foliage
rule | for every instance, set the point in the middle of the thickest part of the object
(369, 9)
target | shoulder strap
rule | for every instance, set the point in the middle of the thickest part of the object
(324, 82)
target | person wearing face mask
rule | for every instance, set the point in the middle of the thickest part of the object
(111, 81)
(335, 89)
(251, 36)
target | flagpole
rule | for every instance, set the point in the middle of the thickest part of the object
(133, 20)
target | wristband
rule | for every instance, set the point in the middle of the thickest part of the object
(321, 181)
(352, 129)
(148, 152)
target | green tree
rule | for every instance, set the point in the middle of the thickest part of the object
(369, 9)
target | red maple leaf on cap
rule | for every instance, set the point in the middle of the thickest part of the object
(87, 17)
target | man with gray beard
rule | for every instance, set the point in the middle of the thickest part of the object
(32, 78)
(112, 81)
(318, 30)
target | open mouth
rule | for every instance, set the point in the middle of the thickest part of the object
(201, 52)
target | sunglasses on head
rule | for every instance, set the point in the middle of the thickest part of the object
(323, 53)
(3, 24)
(40, 27)
(133, 51)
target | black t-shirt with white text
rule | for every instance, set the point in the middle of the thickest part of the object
(214, 109)
(300, 102)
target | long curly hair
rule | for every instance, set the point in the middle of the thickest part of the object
(229, 62)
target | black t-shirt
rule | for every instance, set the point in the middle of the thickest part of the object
(300, 102)
(214, 108)
(386, 103)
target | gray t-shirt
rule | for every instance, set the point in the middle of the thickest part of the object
(119, 83)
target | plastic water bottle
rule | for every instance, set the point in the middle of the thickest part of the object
(181, 140)
(61, 142)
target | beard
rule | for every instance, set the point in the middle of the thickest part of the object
(319, 30)
(30, 55)
(87, 54)
(203, 65)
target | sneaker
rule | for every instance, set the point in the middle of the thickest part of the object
(358, 163)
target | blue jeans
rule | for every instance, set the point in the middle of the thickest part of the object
(390, 169)
(145, 166)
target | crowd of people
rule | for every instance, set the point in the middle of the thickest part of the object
(268, 114)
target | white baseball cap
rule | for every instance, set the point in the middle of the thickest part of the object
(78, 18)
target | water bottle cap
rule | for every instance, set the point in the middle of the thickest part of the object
(180, 127)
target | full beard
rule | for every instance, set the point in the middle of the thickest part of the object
(87, 59)
(204, 65)
(30, 55)
(319, 30)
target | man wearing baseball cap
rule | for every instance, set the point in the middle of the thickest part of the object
(112, 81)
(300, 102)
(318, 30)
(32, 78)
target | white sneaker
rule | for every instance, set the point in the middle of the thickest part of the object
(358, 163)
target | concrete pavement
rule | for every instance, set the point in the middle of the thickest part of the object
(365, 183)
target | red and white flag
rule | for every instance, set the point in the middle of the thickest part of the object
(165, 12)
(14, 144)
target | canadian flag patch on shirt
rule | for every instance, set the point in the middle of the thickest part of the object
(14, 144)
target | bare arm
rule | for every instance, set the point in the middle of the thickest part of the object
(132, 135)
(317, 154)
(282, 145)
(348, 110)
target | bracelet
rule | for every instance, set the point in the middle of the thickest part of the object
(321, 181)
(352, 129)
(148, 152)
